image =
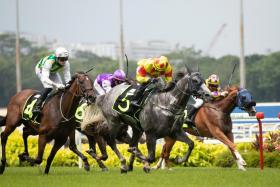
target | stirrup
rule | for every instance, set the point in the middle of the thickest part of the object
(189, 122)
(36, 110)
(135, 103)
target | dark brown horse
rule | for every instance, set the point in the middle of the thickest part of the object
(213, 121)
(56, 116)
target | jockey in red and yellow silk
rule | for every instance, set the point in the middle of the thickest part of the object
(151, 68)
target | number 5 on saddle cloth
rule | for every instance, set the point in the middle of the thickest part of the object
(123, 102)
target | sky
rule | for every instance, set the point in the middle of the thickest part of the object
(187, 22)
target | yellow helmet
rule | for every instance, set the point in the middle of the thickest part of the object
(213, 80)
(160, 63)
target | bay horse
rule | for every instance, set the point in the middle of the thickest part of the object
(95, 133)
(56, 115)
(214, 121)
(158, 118)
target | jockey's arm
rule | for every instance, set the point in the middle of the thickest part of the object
(46, 73)
(106, 85)
(141, 75)
(168, 74)
(67, 75)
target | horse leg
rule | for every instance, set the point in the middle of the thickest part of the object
(237, 156)
(42, 141)
(133, 148)
(112, 143)
(218, 134)
(165, 153)
(180, 135)
(92, 151)
(11, 124)
(151, 146)
(27, 131)
(58, 143)
(73, 147)
(4, 137)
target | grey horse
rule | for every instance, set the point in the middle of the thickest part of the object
(161, 116)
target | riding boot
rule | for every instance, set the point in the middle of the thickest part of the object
(137, 94)
(43, 94)
(191, 112)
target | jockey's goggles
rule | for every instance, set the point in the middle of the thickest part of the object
(63, 59)
(213, 85)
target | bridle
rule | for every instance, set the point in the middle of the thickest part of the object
(81, 92)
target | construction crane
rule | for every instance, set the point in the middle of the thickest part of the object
(216, 37)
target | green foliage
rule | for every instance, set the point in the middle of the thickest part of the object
(203, 155)
(262, 71)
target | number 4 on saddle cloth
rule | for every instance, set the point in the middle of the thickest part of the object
(27, 113)
(123, 102)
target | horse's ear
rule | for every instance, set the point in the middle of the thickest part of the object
(188, 70)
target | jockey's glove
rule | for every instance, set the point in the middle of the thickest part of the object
(59, 86)
(224, 93)
(154, 80)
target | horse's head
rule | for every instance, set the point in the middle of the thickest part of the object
(245, 102)
(82, 86)
(197, 86)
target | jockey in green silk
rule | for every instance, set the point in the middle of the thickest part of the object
(47, 71)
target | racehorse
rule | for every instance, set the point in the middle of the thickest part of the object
(161, 116)
(214, 121)
(56, 114)
(95, 133)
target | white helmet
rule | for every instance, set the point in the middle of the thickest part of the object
(61, 52)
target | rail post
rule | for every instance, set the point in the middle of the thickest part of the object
(259, 116)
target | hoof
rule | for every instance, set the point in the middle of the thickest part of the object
(146, 169)
(177, 160)
(104, 169)
(130, 168)
(123, 171)
(22, 157)
(2, 169)
(86, 167)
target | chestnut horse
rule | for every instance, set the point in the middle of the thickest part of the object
(55, 117)
(214, 121)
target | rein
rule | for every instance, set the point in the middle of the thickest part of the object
(60, 109)
(75, 94)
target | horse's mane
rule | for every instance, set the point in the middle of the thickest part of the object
(231, 88)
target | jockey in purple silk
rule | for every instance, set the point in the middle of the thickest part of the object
(104, 82)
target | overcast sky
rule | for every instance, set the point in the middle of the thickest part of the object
(188, 22)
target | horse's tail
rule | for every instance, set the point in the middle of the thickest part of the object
(93, 115)
(2, 121)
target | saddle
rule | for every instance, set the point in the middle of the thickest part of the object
(123, 102)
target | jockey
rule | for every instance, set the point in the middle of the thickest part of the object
(213, 83)
(47, 71)
(151, 68)
(104, 82)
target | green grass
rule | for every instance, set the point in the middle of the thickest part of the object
(179, 176)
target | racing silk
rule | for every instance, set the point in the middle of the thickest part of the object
(146, 71)
(104, 83)
(217, 94)
(49, 65)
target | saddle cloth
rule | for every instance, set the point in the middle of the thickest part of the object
(27, 113)
(123, 102)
